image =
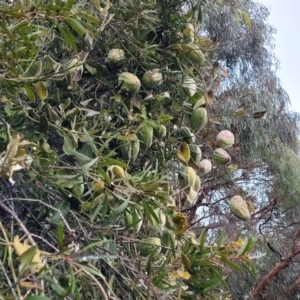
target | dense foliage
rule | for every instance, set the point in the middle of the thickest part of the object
(113, 178)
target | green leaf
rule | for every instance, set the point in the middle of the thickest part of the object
(43, 125)
(149, 211)
(29, 92)
(76, 25)
(192, 195)
(26, 258)
(65, 178)
(90, 142)
(77, 154)
(89, 269)
(102, 71)
(60, 235)
(184, 153)
(67, 36)
(247, 18)
(240, 113)
(102, 204)
(47, 159)
(112, 161)
(221, 239)
(87, 166)
(250, 267)
(63, 106)
(64, 209)
(69, 143)
(41, 90)
(245, 247)
(92, 245)
(89, 41)
(122, 207)
(105, 145)
(7, 31)
(185, 261)
(232, 168)
(92, 70)
(78, 189)
(210, 283)
(34, 70)
(252, 244)
(238, 234)
(164, 118)
(229, 263)
(73, 281)
(59, 290)
(149, 263)
(70, 3)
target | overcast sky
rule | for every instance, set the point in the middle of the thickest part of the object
(285, 17)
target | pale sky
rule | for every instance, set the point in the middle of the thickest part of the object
(285, 17)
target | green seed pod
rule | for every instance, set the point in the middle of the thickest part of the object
(145, 135)
(152, 79)
(221, 157)
(115, 58)
(45, 147)
(130, 150)
(205, 166)
(129, 82)
(160, 131)
(225, 139)
(133, 221)
(186, 135)
(195, 153)
(239, 208)
(198, 119)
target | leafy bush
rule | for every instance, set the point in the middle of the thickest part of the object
(100, 165)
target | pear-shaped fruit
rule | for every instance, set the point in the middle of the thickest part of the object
(221, 157)
(225, 139)
(198, 119)
(239, 208)
(205, 166)
(186, 135)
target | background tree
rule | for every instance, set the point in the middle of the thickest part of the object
(253, 86)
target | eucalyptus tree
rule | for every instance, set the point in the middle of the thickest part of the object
(253, 104)
(248, 97)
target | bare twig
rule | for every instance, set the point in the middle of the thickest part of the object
(13, 214)
(45, 204)
(10, 262)
(105, 297)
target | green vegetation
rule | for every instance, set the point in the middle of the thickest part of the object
(114, 181)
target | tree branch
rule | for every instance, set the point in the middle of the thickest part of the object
(284, 263)
(293, 288)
